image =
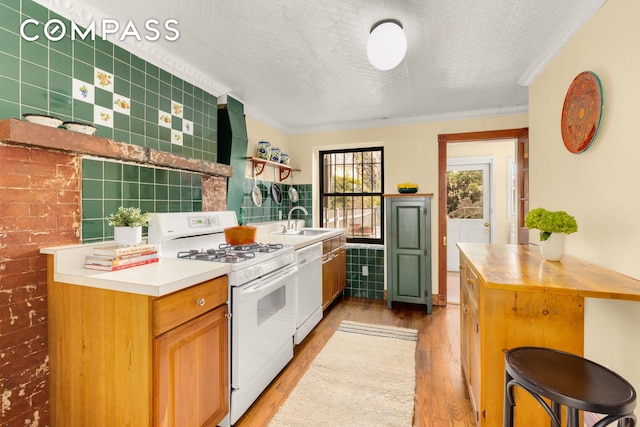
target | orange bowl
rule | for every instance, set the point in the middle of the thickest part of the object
(240, 235)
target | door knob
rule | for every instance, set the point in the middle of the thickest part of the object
(486, 224)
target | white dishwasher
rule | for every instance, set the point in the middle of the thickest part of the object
(309, 291)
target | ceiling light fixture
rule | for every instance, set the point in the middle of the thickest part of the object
(387, 44)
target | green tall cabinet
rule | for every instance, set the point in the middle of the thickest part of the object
(408, 245)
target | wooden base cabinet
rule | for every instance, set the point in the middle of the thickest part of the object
(124, 359)
(334, 268)
(493, 320)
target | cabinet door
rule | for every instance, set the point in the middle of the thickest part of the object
(190, 372)
(328, 279)
(465, 325)
(409, 262)
(341, 269)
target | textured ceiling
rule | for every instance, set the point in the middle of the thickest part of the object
(301, 65)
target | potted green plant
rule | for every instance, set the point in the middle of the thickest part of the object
(553, 226)
(127, 225)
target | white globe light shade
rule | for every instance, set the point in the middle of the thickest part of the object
(387, 45)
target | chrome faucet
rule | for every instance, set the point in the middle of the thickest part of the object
(291, 211)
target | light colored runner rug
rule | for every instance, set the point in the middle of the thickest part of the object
(364, 376)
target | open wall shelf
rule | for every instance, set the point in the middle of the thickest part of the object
(260, 164)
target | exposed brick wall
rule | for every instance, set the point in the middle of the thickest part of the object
(39, 207)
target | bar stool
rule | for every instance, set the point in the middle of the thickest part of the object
(567, 380)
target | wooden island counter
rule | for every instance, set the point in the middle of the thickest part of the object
(511, 297)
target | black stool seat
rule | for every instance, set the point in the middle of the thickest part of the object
(569, 380)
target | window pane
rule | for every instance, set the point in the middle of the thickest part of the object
(464, 194)
(352, 193)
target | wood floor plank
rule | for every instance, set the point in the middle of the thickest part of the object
(441, 397)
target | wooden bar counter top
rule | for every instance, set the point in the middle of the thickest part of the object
(521, 267)
(511, 297)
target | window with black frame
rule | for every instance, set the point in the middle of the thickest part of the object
(352, 181)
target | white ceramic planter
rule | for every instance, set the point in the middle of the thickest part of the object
(127, 236)
(552, 249)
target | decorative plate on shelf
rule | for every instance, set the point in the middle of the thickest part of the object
(582, 112)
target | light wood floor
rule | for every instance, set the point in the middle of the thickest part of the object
(441, 398)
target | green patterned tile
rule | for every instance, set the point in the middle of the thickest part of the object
(8, 109)
(162, 192)
(34, 75)
(137, 125)
(152, 84)
(103, 98)
(147, 191)
(113, 190)
(92, 230)
(85, 53)
(104, 62)
(92, 209)
(34, 97)
(147, 175)
(138, 63)
(121, 122)
(131, 173)
(31, 9)
(10, 42)
(121, 54)
(9, 18)
(92, 189)
(131, 190)
(138, 77)
(83, 71)
(113, 171)
(9, 89)
(64, 46)
(35, 53)
(92, 169)
(82, 111)
(174, 193)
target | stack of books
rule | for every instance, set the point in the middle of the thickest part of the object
(114, 257)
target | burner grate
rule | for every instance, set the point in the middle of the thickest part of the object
(217, 255)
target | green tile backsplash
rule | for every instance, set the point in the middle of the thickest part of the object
(107, 185)
(140, 103)
(270, 211)
(372, 285)
(38, 77)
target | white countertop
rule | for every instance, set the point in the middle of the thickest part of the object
(160, 278)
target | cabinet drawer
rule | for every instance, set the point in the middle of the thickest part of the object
(327, 246)
(179, 307)
(472, 281)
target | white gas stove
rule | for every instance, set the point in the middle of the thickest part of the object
(263, 285)
(200, 236)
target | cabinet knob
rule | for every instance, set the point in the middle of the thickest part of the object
(201, 302)
(469, 282)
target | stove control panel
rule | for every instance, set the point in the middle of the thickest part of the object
(203, 221)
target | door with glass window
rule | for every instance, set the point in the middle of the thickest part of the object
(468, 207)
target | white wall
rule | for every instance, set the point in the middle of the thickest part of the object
(600, 186)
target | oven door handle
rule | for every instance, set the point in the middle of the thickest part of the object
(266, 283)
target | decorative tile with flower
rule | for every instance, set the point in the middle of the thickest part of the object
(103, 116)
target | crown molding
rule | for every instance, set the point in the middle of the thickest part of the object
(83, 14)
(400, 121)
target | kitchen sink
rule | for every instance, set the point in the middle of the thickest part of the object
(305, 232)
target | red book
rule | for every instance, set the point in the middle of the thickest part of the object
(119, 267)
(120, 260)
